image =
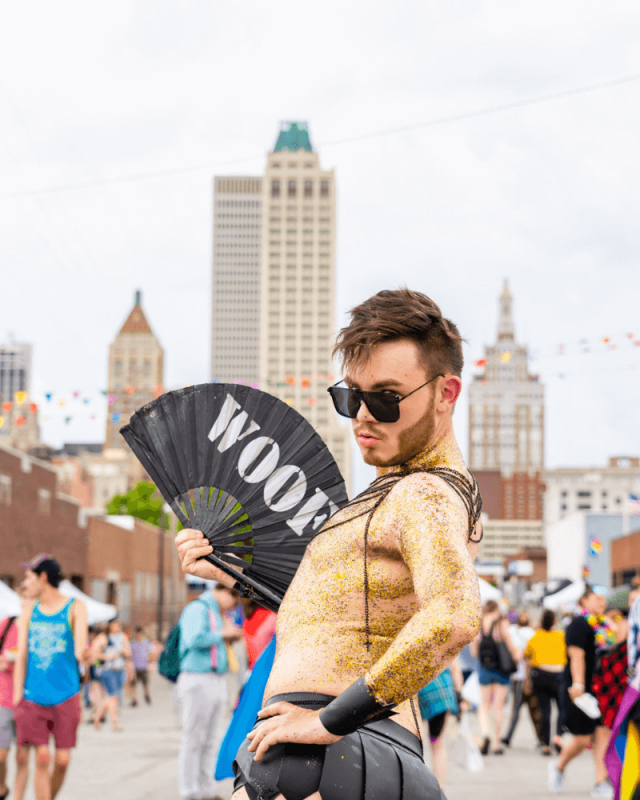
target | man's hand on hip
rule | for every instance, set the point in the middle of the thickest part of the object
(285, 722)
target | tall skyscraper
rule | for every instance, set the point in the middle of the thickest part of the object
(235, 311)
(15, 370)
(136, 372)
(506, 426)
(295, 323)
(18, 413)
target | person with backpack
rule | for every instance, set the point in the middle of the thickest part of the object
(202, 686)
(498, 658)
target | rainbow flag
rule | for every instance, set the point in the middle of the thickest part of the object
(623, 754)
(595, 546)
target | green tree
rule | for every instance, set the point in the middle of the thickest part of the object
(143, 502)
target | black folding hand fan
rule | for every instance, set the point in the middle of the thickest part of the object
(244, 468)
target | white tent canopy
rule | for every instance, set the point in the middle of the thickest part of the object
(566, 599)
(96, 611)
(488, 592)
(9, 602)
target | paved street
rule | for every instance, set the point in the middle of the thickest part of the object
(141, 762)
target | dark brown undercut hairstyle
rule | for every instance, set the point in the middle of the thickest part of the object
(401, 314)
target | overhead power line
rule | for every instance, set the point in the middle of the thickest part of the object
(445, 120)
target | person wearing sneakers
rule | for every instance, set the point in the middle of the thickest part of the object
(586, 630)
(52, 641)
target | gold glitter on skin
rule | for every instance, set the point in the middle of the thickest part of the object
(424, 600)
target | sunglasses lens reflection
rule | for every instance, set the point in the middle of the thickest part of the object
(347, 403)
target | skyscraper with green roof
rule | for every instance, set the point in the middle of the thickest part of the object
(294, 323)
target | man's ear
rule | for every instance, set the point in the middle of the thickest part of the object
(449, 393)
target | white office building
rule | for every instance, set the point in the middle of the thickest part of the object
(591, 490)
(235, 309)
(274, 284)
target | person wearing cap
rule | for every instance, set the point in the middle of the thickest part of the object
(52, 641)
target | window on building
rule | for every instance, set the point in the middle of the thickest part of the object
(563, 494)
(44, 501)
(275, 188)
(5, 490)
(584, 506)
(308, 188)
(584, 494)
(291, 188)
(324, 188)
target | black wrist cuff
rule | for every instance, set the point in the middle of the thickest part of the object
(352, 709)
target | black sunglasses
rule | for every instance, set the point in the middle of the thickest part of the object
(384, 406)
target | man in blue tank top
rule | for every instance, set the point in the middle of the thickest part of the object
(52, 641)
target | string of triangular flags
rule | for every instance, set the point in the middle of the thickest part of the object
(604, 344)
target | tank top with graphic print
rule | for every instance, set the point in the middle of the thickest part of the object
(52, 670)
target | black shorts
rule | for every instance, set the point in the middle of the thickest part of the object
(380, 761)
(142, 676)
(436, 726)
(576, 721)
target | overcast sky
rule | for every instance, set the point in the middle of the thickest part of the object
(114, 118)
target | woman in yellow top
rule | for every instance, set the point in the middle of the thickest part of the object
(546, 656)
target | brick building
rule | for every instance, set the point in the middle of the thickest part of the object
(625, 558)
(537, 556)
(123, 568)
(112, 559)
(519, 495)
(35, 517)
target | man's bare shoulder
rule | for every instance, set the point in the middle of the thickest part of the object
(423, 500)
(79, 608)
(423, 487)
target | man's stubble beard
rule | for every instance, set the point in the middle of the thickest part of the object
(411, 441)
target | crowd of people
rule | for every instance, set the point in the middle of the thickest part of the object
(50, 661)
(581, 664)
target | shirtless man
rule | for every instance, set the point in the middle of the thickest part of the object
(386, 594)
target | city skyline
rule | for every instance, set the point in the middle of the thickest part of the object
(439, 189)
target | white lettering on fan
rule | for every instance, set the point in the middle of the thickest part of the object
(249, 455)
(311, 507)
(229, 428)
(293, 495)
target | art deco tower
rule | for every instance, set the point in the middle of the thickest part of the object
(136, 372)
(506, 422)
(298, 285)
(273, 317)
